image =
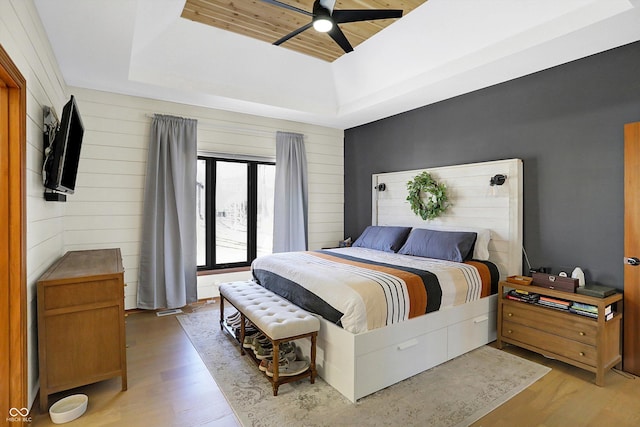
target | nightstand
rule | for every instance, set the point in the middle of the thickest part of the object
(590, 343)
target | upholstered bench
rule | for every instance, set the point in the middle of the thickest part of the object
(278, 319)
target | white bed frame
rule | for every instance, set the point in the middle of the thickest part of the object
(360, 364)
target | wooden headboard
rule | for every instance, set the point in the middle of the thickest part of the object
(474, 203)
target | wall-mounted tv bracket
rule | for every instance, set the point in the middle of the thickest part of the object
(51, 127)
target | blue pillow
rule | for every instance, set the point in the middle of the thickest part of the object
(449, 245)
(382, 238)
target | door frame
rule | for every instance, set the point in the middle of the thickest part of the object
(13, 306)
(631, 344)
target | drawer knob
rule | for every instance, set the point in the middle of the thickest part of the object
(582, 334)
(582, 353)
(509, 331)
(509, 314)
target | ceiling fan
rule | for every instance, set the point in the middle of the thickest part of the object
(325, 19)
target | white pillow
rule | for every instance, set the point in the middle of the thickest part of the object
(481, 248)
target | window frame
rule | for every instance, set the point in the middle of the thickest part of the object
(252, 164)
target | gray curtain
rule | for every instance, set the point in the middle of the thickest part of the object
(167, 275)
(291, 194)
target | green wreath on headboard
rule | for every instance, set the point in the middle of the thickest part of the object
(427, 198)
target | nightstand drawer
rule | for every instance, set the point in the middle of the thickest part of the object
(550, 343)
(567, 325)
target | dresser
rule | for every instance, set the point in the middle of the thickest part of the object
(592, 344)
(81, 327)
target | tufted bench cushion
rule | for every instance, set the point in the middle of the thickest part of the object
(272, 314)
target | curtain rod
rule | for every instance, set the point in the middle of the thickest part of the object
(209, 125)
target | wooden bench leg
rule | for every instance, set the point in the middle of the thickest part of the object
(313, 357)
(221, 312)
(242, 322)
(276, 366)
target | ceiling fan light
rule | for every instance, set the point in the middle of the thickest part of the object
(322, 24)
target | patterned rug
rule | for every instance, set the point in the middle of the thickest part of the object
(456, 393)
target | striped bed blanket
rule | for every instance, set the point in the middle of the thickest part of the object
(363, 289)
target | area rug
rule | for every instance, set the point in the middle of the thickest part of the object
(456, 393)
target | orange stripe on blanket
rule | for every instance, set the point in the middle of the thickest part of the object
(415, 286)
(485, 276)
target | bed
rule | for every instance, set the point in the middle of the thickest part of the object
(361, 289)
(430, 302)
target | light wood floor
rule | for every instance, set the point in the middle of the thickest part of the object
(170, 386)
(568, 396)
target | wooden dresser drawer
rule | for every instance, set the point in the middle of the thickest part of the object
(85, 292)
(571, 326)
(550, 342)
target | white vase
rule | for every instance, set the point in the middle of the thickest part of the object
(578, 274)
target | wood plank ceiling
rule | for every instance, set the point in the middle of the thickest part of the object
(267, 22)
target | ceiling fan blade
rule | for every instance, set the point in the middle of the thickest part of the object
(338, 36)
(328, 4)
(356, 15)
(293, 34)
(286, 6)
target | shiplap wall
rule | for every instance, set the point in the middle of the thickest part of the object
(106, 209)
(24, 39)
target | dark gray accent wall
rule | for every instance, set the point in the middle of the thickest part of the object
(565, 123)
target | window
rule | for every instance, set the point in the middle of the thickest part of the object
(234, 212)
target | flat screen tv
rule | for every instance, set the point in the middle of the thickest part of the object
(62, 150)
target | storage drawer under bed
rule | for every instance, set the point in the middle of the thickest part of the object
(405, 359)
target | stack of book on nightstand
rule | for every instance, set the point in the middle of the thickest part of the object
(524, 296)
(590, 310)
(556, 303)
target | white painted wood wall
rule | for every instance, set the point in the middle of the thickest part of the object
(24, 39)
(106, 209)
